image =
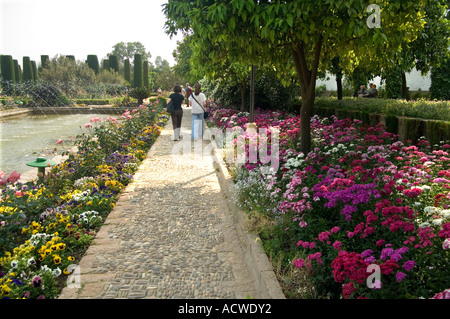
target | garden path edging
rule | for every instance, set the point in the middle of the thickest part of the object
(256, 259)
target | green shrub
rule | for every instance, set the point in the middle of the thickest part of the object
(127, 71)
(140, 94)
(45, 60)
(114, 63)
(440, 82)
(138, 71)
(93, 101)
(92, 62)
(8, 76)
(45, 95)
(27, 70)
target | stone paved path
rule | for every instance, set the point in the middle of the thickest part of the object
(170, 235)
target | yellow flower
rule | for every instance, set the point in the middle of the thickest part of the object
(56, 259)
(66, 272)
(71, 258)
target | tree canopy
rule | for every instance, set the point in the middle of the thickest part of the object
(304, 34)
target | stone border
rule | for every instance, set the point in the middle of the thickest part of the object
(256, 259)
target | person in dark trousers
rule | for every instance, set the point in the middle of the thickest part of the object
(177, 115)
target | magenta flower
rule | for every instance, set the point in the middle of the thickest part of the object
(299, 263)
(408, 265)
(400, 276)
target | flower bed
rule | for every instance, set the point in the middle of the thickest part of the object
(361, 216)
(46, 228)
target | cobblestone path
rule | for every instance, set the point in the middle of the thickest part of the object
(170, 235)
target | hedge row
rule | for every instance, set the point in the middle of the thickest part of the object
(407, 128)
(431, 110)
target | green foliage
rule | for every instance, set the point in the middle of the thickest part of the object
(145, 75)
(8, 75)
(17, 72)
(138, 71)
(140, 93)
(126, 51)
(92, 62)
(45, 94)
(27, 70)
(432, 110)
(127, 71)
(45, 60)
(437, 131)
(393, 78)
(440, 82)
(114, 63)
(34, 71)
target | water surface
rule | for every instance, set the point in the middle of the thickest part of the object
(23, 139)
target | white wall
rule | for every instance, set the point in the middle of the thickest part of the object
(414, 80)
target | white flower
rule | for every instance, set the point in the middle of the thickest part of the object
(31, 261)
(437, 222)
(446, 213)
(14, 264)
(56, 272)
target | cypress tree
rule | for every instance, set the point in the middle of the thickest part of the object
(92, 62)
(45, 60)
(71, 57)
(34, 71)
(145, 74)
(8, 76)
(127, 70)
(105, 64)
(17, 72)
(138, 71)
(114, 63)
(27, 70)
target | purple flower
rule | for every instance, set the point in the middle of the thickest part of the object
(409, 265)
(400, 276)
(366, 253)
(396, 256)
(386, 252)
(36, 281)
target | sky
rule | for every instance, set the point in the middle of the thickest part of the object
(81, 27)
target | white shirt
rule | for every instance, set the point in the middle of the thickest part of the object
(201, 98)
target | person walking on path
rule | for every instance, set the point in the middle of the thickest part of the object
(177, 115)
(198, 102)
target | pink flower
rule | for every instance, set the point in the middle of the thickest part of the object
(13, 177)
(87, 125)
(446, 244)
(59, 141)
(442, 295)
(299, 263)
(408, 265)
(348, 289)
(334, 230)
(400, 276)
(380, 242)
(337, 245)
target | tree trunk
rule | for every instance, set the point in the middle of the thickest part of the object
(339, 85)
(307, 79)
(405, 90)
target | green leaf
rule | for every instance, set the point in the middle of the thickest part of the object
(290, 20)
(232, 23)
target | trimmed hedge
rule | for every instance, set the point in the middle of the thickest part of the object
(431, 110)
(93, 101)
